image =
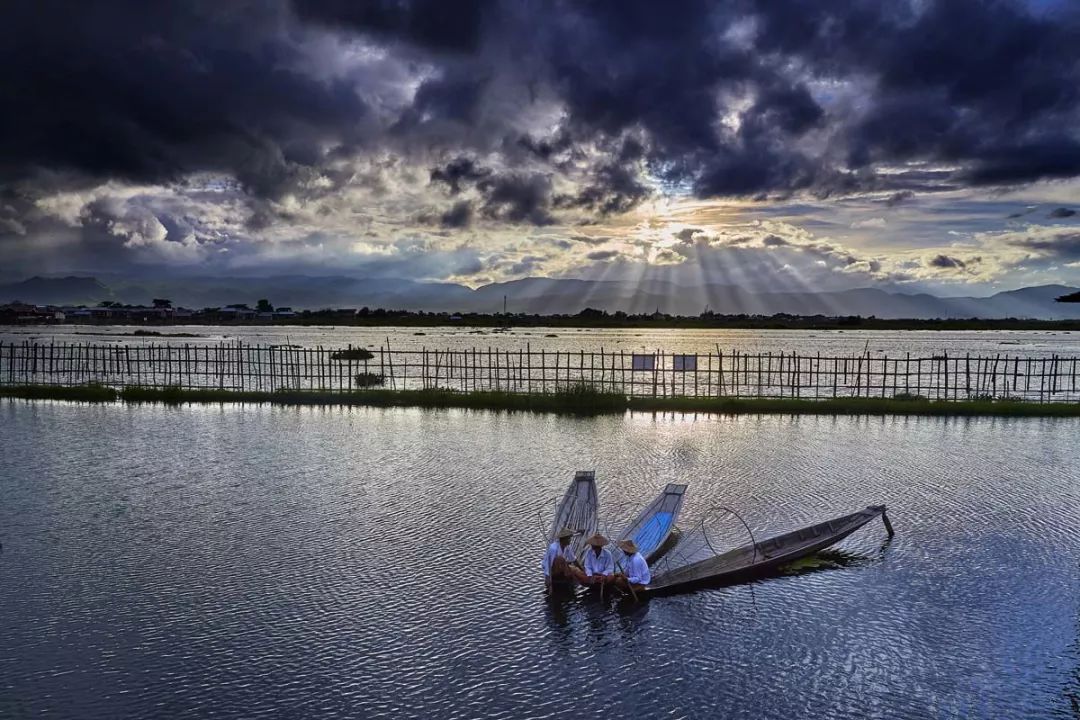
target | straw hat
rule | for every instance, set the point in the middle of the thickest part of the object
(565, 533)
(628, 546)
(597, 540)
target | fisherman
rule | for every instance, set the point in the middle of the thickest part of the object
(635, 575)
(599, 565)
(559, 559)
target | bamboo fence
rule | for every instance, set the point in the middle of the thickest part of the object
(245, 367)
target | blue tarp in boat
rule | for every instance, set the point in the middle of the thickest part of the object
(653, 525)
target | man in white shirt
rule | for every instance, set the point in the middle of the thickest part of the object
(635, 572)
(599, 565)
(559, 559)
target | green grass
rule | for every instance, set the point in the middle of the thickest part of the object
(580, 399)
(79, 393)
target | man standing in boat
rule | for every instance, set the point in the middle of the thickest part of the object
(635, 575)
(559, 559)
(599, 565)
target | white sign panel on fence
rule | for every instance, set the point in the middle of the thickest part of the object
(685, 363)
(643, 362)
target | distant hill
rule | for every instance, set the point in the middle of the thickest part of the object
(535, 295)
(71, 290)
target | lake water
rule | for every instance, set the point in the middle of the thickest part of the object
(254, 561)
(894, 343)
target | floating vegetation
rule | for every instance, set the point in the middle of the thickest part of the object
(365, 380)
(155, 333)
(822, 560)
(91, 392)
(907, 397)
(138, 333)
(351, 353)
(576, 399)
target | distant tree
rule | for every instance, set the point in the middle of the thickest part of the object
(1070, 298)
(162, 303)
(591, 313)
(108, 304)
(264, 306)
(238, 306)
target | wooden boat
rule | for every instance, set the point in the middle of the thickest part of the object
(577, 510)
(653, 527)
(758, 558)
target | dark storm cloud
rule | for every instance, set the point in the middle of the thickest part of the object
(460, 215)
(459, 172)
(518, 198)
(982, 84)
(613, 189)
(151, 91)
(1063, 246)
(434, 24)
(453, 97)
(947, 262)
(602, 255)
(899, 198)
(741, 98)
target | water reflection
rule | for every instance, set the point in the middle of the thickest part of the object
(242, 561)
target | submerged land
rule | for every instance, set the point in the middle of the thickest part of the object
(572, 401)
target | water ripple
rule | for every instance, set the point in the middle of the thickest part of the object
(349, 562)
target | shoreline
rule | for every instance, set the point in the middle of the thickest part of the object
(728, 322)
(562, 403)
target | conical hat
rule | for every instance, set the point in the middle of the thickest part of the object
(597, 540)
(565, 533)
(628, 546)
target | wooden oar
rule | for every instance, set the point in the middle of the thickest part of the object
(628, 583)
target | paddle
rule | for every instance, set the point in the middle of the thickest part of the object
(628, 583)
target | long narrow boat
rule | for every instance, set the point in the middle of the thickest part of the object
(653, 526)
(750, 561)
(577, 510)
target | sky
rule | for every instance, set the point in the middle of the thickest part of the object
(912, 145)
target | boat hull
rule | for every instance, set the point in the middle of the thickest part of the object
(578, 510)
(652, 529)
(753, 561)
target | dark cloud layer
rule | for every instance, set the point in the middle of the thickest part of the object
(153, 91)
(1062, 246)
(738, 98)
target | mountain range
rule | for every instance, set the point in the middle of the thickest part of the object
(534, 296)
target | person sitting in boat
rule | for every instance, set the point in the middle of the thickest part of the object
(635, 572)
(599, 565)
(559, 558)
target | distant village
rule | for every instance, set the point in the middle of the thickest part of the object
(161, 311)
(164, 312)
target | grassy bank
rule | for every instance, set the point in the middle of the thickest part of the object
(576, 400)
